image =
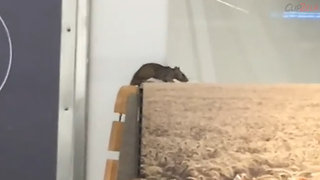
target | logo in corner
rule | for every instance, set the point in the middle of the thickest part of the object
(301, 7)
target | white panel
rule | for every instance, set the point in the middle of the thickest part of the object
(80, 97)
(255, 45)
(65, 150)
(124, 35)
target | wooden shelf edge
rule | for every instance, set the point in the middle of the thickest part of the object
(122, 98)
(116, 134)
(111, 170)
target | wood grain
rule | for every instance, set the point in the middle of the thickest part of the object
(116, 136)
(111, 170)
(122, 98)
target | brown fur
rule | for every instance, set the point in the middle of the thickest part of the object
(157, 71)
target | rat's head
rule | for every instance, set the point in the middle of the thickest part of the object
(179, 75)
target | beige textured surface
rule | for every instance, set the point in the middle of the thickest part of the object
(205, 131)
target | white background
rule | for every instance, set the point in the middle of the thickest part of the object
(210, 41)
(124, 35)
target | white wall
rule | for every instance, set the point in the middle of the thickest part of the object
(124, 35)
(244, 48)
(256, 47)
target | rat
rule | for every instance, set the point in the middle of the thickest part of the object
(158, 71)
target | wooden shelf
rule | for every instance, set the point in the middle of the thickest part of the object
(111, 170)
(122, 98)
(120, 107)
(116, 136)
